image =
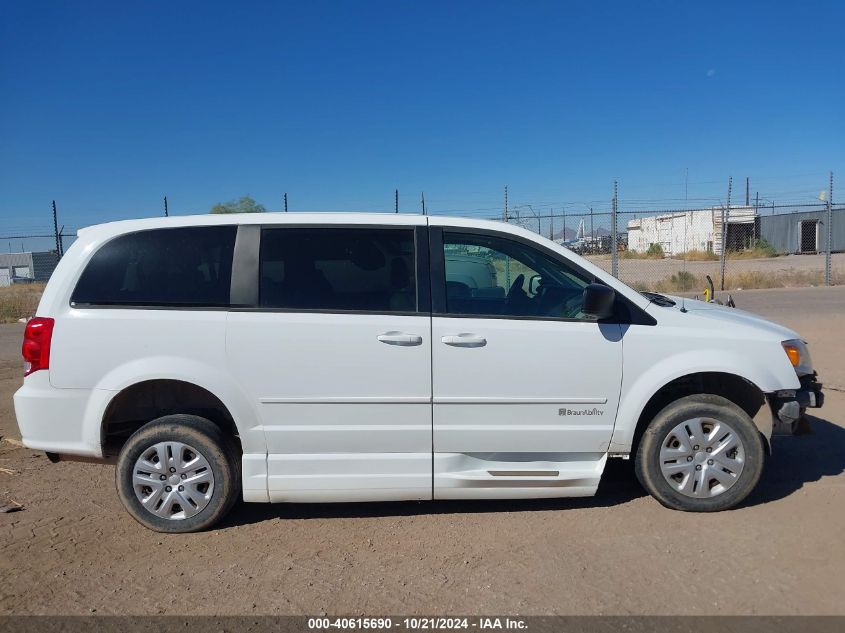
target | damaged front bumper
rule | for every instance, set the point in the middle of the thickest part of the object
(788, 406)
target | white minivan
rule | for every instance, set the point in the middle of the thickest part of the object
(362, 357)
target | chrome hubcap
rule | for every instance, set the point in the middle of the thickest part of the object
(702, 457)
(173, 480)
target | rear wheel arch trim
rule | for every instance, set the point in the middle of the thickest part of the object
(234, 413)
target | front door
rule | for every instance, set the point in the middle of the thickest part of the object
(525, 386)
(336, 358)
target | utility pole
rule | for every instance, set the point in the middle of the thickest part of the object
(747, 192)
(726, 212)
(422, 201)
(506, 204)
(165, 207)
(756, 211)
(551, 223)
(827, 279)
(592, 232)
(396, 201)
(56, 230)
(286, 201)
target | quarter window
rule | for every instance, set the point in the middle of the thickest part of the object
(488, 275)
(357, 269)
(188, 266)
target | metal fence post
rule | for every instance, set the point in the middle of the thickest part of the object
(726, 212)
(829, 246)
(564, 224)
(614, 251)
(56, 231)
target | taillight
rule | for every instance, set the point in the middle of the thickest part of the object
(36, 344)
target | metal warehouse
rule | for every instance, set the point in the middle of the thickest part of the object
(26, 267)
(804, 232)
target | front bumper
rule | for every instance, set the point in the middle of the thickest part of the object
(789, 407)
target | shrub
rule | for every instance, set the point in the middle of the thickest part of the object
(19, 301)
(759, 249)
(697, 255)
(681, 281)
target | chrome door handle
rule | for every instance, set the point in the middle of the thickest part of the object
(464, 340)
(400, 338)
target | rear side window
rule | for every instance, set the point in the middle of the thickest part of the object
(189, 267)
(369, 270)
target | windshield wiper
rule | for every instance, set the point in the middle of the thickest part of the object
(658, 299)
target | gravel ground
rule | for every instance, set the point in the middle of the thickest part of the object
(73, 550)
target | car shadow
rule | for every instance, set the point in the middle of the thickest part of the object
(795, 461)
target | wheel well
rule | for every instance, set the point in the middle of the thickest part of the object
(746, 395)
(133, 407)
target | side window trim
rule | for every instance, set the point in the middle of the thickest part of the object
(421, 274)
(438, 270)
(244, 289)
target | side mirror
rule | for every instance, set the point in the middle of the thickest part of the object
(534, 284)
(598, 301)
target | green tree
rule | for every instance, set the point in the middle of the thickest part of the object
(243, 205)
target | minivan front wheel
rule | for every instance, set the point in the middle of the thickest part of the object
(702, 453)
(177, 474)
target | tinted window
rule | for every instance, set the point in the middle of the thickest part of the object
(488, 275)
(163, 267)
(338, 269)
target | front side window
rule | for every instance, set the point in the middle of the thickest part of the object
(346, 269)
(187, 266)
(489, 275)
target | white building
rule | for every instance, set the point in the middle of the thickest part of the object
(698, 229)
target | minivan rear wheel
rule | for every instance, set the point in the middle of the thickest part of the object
(701, 453)
(178, 474)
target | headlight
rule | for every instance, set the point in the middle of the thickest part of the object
(798, 354)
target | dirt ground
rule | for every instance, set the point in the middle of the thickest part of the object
(73, 550)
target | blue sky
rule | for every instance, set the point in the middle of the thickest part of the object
(107, 107)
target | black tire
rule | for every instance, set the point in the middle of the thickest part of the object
(210, 442)
(647, 461)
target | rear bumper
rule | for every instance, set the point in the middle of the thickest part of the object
(54, 420)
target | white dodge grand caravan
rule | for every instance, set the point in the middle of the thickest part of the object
(355, 357)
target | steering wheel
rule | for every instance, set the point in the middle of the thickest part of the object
(516, 286)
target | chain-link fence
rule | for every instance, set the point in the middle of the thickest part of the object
(676, 250)
(754, 245)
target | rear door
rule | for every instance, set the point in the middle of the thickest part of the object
(336, 357)
(525, 386)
